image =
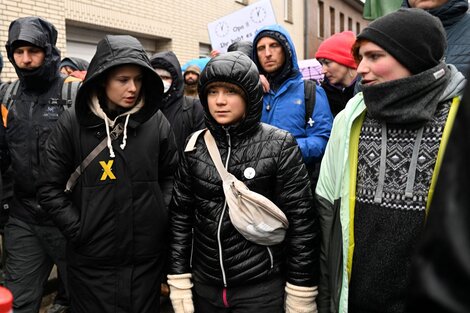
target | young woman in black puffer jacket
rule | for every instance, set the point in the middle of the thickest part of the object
(213, 268)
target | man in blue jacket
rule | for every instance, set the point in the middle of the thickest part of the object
(284, 104)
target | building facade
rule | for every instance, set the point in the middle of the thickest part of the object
(177, 25)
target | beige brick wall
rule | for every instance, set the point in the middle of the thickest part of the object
(182, 21)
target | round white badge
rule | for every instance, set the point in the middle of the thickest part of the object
(249, 173)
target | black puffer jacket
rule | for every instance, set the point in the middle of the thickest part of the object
(184, 113)
(222, 256)
(116, 218)
(32, 114)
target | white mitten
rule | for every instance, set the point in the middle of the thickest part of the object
(181, 295)
(301, 299)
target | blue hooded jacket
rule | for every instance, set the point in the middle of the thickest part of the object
(284, 105)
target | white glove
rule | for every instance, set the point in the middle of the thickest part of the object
(181, 295)
(301, 299)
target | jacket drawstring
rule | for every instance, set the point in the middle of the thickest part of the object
(110, 146)
(383, 160)
(410, 181)
(124, 137)
(413, 164)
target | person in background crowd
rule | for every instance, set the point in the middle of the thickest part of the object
(75, 67)
(184, 113)
(191, 79)
(378, 171)
(115, 219)
(455, 17)
(33, 242)
(244, 46)
(440, 273)
(213, 268)
(339, 68)
(284, 103)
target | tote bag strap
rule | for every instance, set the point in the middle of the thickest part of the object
(215, 155)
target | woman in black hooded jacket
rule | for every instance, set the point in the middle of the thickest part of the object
(230, 273)
(115, 217)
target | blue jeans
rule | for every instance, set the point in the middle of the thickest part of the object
(32, 251)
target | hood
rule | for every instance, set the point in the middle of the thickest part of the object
(77, 63)
(244, 46)
(114, 51)
(236, 68)
(291, 67)
(456, 84)
(168, 61)
(42, 34)
(449, 13)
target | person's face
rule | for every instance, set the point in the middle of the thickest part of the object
(123, 86)
(190, 78)
(270, 54)
(29, 57)
(226, 105)
(426, 4)
(166, 78)
(336, 73)
(67, 70)
(378, 66)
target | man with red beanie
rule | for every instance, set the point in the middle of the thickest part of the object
(339, 68)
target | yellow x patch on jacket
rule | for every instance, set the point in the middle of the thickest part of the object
(107, 170)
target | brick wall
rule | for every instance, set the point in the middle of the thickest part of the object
(184, 22)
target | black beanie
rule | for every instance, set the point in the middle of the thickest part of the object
(412, 36)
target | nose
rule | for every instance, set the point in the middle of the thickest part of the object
(221, 98)
(267, 52)
(132, 86)
(362, 67)
(26, 57)
(324, 68)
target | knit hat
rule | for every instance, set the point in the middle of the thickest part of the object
(337, 48)
(412, 36)
(193, 69)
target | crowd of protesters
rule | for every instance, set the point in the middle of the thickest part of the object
(115, 181)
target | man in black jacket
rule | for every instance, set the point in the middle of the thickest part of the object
(184, 113)
(33, 242)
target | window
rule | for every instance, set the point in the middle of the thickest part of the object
(204, 50)
(321, 20)
(81, 42)
(349, 23)
(332, 21)
(288, 11)
(341, 22)
(358, 28)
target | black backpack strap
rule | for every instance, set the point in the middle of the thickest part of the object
(310, 91)
(188, 105)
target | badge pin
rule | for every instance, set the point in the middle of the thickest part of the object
(249, 173)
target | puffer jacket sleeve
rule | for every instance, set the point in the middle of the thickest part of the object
(181, 220)
(313, 145)
(296, 200)
(168, 158)
(54, 173)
